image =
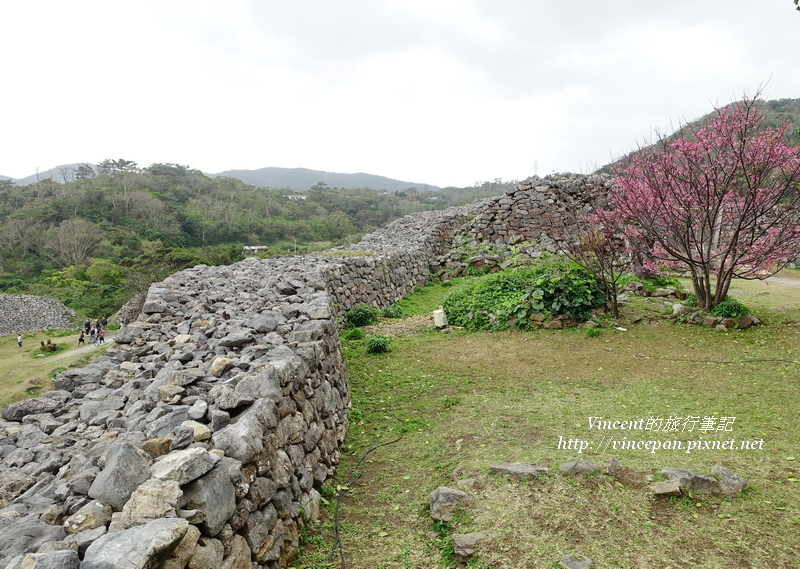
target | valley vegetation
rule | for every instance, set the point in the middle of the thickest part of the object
(103, 235)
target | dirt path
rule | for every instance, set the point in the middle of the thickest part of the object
(80, 350)
(783, 281)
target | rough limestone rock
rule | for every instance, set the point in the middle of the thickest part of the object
(66, 559)
(237, 339)
(465, 544)
(666, 488)
(729, 481)
(575, 562)
(214, 496)
(519, 470)
(208, 554)
(748, 320)
(92, 515)
(184, 551)
(26, 535)
(33, 406)
(141, 547)
(241, 440)
(153, 500)
(700, 483)
(443, 502)
(220, 365)
(126, 468)
(183, 466)
(239, 556)
(576, 467)
(258, 530)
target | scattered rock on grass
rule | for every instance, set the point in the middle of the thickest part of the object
(576, 562)
(700, 483)
(729, 481)
(519, 470)
(464, 544)
(666, 488)
(443, 502)
(575, 467)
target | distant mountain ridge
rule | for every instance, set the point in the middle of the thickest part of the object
(295, 179)
(302, 179)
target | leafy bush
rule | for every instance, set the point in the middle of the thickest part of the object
(690, 300)
(393, 311)
(553, 286)
(593, 332)
(361, 315)
(377, 344)
(730, 308)
(354, 334)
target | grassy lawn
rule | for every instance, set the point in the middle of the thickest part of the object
(24, 372)
(459, 402)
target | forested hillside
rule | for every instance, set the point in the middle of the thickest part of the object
(776, 113)
(95, 241)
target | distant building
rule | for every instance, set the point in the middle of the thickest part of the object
(252, 249)
(297, 197)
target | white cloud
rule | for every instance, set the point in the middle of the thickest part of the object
(442, 92)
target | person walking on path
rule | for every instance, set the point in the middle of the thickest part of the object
(81, 339)
(19, 340)
(101, 337)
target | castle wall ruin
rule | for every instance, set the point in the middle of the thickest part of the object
(203, 436)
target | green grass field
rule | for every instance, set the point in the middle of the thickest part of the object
(447, 405)
(24, 373)
(460, 402)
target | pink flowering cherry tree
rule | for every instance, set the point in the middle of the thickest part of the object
(722, 202)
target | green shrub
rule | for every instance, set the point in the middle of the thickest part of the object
(655, 282)
(377, 344)
(730, 308)
(354, 334)
(593, 332)
(361, 315)
(553, 286)
(690, 300)
(393, 311)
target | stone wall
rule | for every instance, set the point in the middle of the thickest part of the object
(542, 211)
(22, 313)
(201, 439)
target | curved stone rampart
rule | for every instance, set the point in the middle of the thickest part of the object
(543, 211)
(204, 434)
(23, 313)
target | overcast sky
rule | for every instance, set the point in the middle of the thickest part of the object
(443, 92)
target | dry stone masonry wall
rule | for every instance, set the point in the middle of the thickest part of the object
(201, 439)
(203, 436)
(22, 313)
(543, 211)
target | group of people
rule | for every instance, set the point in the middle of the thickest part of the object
(95, 332)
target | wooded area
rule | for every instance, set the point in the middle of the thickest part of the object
(99, 236)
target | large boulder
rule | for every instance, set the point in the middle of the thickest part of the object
(26, 535)
(140, 547)
(126, 468)
(67, 559)
(33, 406)
(214, 496)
